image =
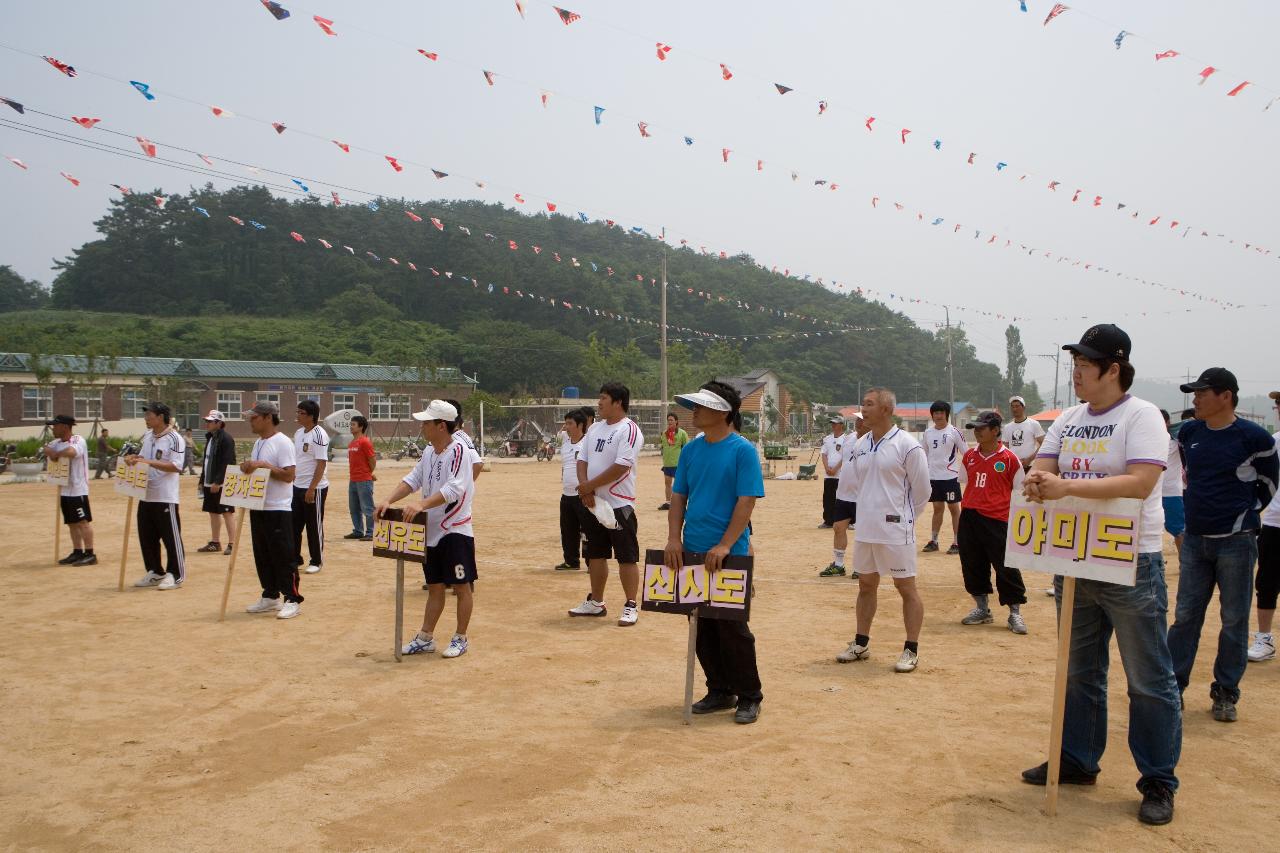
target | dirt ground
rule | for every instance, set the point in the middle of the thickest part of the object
(137, 721)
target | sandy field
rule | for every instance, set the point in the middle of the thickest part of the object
(137, 721)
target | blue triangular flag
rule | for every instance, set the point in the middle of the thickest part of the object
(202, 211)
(598, 110)
(583, 216)
(144, 89)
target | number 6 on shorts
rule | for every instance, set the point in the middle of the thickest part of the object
(459, 572)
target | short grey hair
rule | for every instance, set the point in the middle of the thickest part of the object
(884, 395)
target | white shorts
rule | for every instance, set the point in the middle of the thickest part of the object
(896, 561)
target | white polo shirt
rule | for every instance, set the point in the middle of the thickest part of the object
(833, 451)
(163, 486)
(309, 447)
(569, 465)
(891, 480)
(945, 448)
(607, 444)
(277, 451)
(78, 483)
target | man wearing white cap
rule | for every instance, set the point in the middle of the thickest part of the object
(219, 452)
(846, 508)
(832, 450)
(444, 476)
(1022, 435)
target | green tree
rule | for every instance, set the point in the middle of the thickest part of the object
(1015, 359)
(18, 294)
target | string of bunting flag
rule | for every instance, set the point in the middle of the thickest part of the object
(646, 130)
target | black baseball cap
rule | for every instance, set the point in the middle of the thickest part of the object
(61, 419)
(1103, 341)
(159, 409)
(986, 419)
(1218, 378)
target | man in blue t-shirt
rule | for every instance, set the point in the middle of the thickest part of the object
(1231, 477)
(717, 482)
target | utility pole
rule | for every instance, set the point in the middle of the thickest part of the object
(951, 367)
(1184, 394)
(1057, 359)
(662, 345)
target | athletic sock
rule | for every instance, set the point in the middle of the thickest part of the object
(912, 646)
(981, 601)
(838, 557)
(425, 636)
(1015, 608)
(629, 603)
(862, 640)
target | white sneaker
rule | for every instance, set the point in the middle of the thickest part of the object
(907, 662)
(311, 570)
(978, 616)
(1263, 648)
(853, 653)
(149, 579)
(1017, 624)
(589, 608)
(630, 613)
(263, 605)
(169, 582)
(289, 610)
(419, 646)
(457, 647)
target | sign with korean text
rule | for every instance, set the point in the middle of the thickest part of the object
(1074, 537)
(59, 472)
(131, 480)
(248, 491)
(723, 594)
(398, 537)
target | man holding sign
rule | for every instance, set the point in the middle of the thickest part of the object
(74, 496)
(163, 452)
(271, 527)
(717, 482)
(1114, 446)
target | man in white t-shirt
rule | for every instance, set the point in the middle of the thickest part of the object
(945, 446)
(1267, 582)
(272, 526)
(310, 485)
(1114, 446)
(891, 480)
(575, 425)
(73, 497)
(607, 475)
(831, 454)
(460, 434)
(164, 453)
(846, 508)
(1022, 435)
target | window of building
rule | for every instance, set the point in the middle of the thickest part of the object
(87, 403)
(269, 397)
(310, 396)
(231, 404)
(37, 403)
(388, 407)
(132, 403)
(343, 401)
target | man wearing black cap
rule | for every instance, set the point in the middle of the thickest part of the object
(73, 497)
(163, 452)
(1114, 446)
(1231, 477)
(272, 526)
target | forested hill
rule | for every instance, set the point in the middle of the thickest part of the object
(500, 311)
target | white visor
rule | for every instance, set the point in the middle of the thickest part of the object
(437, 410)
(706, 399)
(1016, 399)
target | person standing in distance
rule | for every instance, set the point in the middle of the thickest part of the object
(1268, 578)
(443, 475)
(73, 498)
(717, 483)
(575, 424)
(272, 526)
(163, 452)
(673, 441)
(832, 454)
(219, 452)
(891, 479)
(1114, 445)
(104, 456)
(607, 473)
(945, 446)
(310, 485)
(361, 462)
(846, 509)
(1231, 477)
(1171, 487)
(1022, 435)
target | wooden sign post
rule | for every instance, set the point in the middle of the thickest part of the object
(131, 481)
(401, 539)
(1075, 538)
(696, 593)
(58, 474)
(242, 491)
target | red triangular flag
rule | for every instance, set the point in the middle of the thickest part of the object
(148, 147)
(86, 123)
(394, 163)
(344, 146)
(324, 24)
(488, 77)
(75, 182)
(725, 72)
(278, 126)
(566, 16)
(415, 217)
(434, 57)
(663, 50)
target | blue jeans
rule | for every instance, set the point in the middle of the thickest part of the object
(1226, 562)
(360, 502)
(1137, 617)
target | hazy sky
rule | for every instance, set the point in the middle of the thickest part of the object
(1055, 103)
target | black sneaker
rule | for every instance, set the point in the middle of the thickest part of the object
(1224, 709)
(953, 550)
(354, 536)
(71, 558)
(87, 560)
(1067, 775)
(748, 712)
(664, 505)
(1157, 803)
(929, 548)
(567, 567)
(715, 702)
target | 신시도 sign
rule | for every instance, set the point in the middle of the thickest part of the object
(724, 594)
(1074, 537)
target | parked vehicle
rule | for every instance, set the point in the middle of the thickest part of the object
(410, 449)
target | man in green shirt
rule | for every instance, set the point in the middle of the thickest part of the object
(673, 441)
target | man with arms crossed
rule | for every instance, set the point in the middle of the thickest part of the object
(607, 472)
(444, 475)
(718, 480)
(73, 497)
(163, 452)
(846, 508)
(575, 424)
(891, 480)
(1231, 478)
(219, 452)
(831, 454)
(1114, 446)
(944, 445)
(272, 526)
(310, 486)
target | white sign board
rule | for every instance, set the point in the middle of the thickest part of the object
(248, 491)
(59, 472)
(131, 480)
(1074, 537)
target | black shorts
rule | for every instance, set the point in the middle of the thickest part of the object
(621, 544)
(845, 510)
(945, 490)
(213, 502)
(452, 560)
(75, 510)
